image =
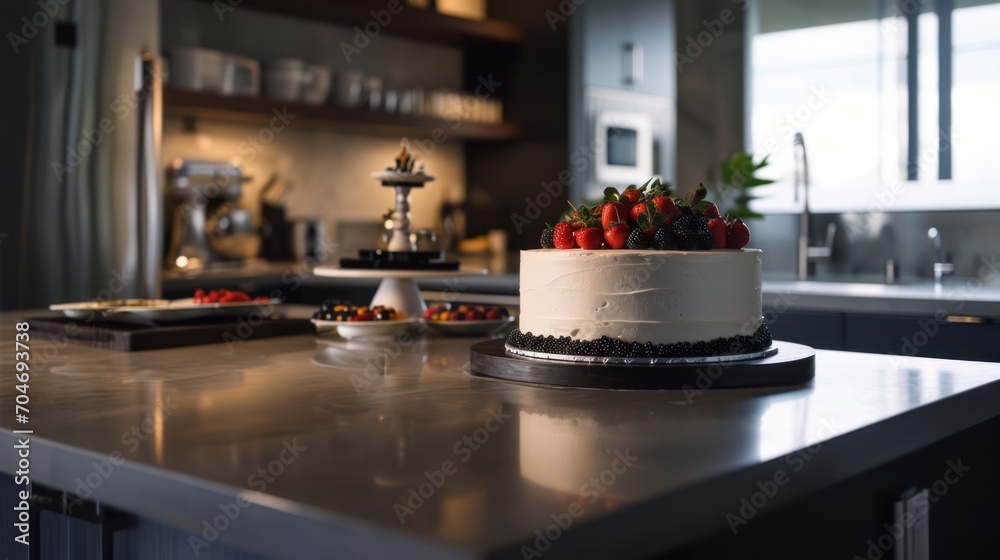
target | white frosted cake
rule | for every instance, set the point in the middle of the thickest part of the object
(641, 302)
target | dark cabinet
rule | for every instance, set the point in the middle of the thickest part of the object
(925, 337)
(629, 45)
(819, 330)
(854, 518)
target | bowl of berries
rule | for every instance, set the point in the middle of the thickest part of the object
(359, 321)
(466, 320)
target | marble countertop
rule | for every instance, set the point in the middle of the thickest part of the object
(373, 449)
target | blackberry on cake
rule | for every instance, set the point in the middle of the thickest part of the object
(637, 240)
(663, 239)
(547, 240)
(691, 233)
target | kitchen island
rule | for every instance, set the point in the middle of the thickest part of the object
(316, 447)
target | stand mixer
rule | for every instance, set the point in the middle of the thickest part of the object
(201, 191)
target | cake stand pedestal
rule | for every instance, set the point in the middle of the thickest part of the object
(398, 288)
(793, 364)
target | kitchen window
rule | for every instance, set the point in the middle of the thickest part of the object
(868, 84)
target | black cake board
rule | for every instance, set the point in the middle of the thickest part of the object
(793, 364)
(135, 336)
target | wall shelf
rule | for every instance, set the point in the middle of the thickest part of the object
(259, 110)
(413, 23)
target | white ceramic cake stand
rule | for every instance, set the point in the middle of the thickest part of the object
(398, 288)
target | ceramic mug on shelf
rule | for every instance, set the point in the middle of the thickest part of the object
(373, 89)
(319, 80)
(285, 79)
(241, 76)
(350, 89)
(197, 69)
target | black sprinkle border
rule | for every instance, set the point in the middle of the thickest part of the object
(605, 346)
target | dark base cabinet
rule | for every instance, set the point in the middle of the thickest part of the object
(854, 519)
(849, 519)
(60, 536)
(924, 337)
(819, 330)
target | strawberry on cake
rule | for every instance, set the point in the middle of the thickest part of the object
(642, 275)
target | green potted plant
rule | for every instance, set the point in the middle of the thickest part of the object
(734, 187)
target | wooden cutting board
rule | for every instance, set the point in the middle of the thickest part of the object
(133, 337)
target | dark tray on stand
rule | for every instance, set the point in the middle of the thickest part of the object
(793, 364)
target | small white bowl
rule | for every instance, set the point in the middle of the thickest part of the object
(363, 329)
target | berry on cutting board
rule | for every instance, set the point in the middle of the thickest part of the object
(226, 296)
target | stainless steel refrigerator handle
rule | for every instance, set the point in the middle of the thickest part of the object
(633, 64)
(150, 198)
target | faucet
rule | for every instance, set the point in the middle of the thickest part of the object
(805, 252)
(941, 267)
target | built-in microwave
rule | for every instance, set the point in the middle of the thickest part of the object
(627, 137)
(628, 147)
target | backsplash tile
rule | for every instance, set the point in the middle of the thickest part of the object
(864, 242)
